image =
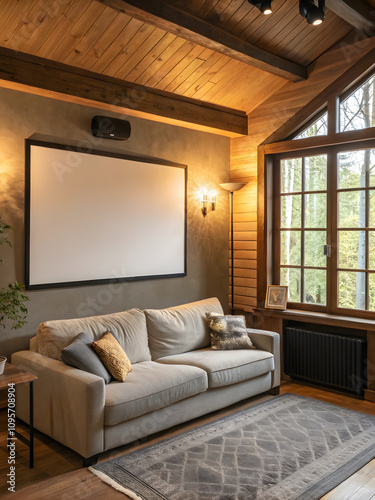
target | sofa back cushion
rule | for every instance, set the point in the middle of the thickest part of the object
(129, 328)
(180, 329)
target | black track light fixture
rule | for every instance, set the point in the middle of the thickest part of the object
(264, 6)
(314, 14)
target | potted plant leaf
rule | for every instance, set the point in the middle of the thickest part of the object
(12, 299)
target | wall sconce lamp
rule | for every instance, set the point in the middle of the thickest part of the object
(206, 199)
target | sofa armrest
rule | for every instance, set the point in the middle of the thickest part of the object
(270, 342)
(68, 403)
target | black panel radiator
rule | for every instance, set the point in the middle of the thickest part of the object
(336, 361)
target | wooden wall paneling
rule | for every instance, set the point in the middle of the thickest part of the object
(245, 248)
(243, 303)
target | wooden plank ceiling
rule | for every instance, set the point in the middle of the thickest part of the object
(92, 36)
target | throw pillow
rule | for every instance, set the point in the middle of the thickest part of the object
(81, 355)
(228, 332)
(113, 356)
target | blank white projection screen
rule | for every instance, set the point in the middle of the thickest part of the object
(95, 217)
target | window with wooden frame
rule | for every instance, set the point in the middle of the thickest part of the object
(323, 208)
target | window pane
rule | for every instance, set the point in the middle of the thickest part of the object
(352, 249)
(316, 173)
(316, 210)
(371, 221)
(291, 175)
(371, 258)
(352, 209)
(372, 167)
(372, 292)
(291, 211)
(315, 286)
(290, 248)
(352, 168)
(319, 127)
(292, 279)
(352, 290)
(357, 111)
(314, 248)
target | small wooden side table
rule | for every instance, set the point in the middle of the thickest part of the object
(12, 377)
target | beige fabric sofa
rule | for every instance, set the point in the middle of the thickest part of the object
(176, 376)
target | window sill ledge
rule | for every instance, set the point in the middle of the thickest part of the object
(319, 318)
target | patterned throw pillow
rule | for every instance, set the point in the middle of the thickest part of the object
(228, 332)
(113, 356)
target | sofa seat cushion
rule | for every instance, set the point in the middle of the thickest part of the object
(226, 367)
(151, 386)
(180, 329)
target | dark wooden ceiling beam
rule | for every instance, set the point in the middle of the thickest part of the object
(85, 87)
(358, 13)
(174, 20)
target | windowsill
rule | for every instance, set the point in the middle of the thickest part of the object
(319, 317)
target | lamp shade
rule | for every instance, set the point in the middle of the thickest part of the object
(233, 186)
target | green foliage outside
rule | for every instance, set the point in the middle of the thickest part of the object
(303, 211)
(12, 299)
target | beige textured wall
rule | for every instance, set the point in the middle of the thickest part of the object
(207, 156)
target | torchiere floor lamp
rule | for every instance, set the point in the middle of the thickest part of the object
(231, 187)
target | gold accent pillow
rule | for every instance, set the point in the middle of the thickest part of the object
(113, 356)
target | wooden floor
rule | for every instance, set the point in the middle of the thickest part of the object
(58, 473)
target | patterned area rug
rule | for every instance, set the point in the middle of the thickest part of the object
(286, 448)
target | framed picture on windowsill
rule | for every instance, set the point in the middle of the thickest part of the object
(276, 297)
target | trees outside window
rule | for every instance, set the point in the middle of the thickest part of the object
(324, 214)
